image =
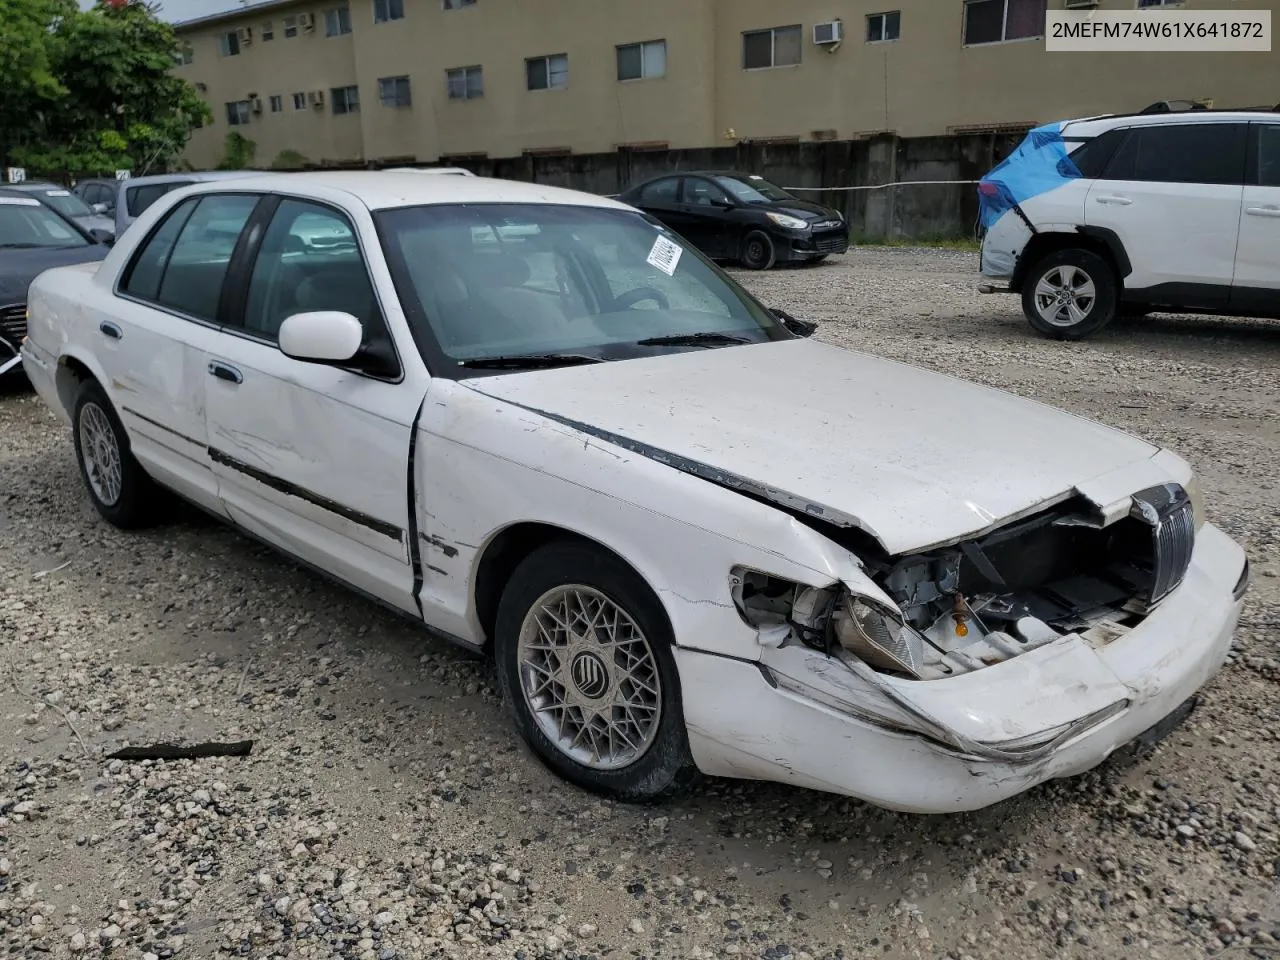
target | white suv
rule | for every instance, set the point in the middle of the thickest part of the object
(1129, 214)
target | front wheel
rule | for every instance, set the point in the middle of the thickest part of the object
(1070, 294)
(757, 251)
(584, 661)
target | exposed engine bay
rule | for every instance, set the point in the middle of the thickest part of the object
(980, 602)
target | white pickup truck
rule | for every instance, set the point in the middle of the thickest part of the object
(693, 538)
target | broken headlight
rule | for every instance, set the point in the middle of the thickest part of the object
(877, 636)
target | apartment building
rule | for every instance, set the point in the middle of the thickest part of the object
(421, 80)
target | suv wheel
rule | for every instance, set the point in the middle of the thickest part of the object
(1070, 294)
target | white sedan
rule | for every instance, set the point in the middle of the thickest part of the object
(693, 538)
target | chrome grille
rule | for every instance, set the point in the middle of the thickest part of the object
(1167, 509)
(13, 323)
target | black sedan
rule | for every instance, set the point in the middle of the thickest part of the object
(743, 217)
(33, 238)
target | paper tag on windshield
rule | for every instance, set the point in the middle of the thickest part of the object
(19, 201)
(665, 255)
(57, 193)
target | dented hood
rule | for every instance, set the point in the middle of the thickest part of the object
(912, 457)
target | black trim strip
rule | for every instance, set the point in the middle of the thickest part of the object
(283, 486)
(415, 552)
(160, 426)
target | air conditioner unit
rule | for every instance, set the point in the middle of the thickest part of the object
(316, 98)
(825, 34)
(1079, 4)
(307, 21)
(256, 104)
(245, 35)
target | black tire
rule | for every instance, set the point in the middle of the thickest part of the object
(757, 251)
(139, 503)
(1064, 268)
(665, 767)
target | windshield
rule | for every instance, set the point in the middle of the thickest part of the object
(753, 189)
(24, 223)
(516, 280)
(66, 203)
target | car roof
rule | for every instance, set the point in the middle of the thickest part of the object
(198, 176)
(35, 185)
(9, 190)
(385, 189)
(1093, 126)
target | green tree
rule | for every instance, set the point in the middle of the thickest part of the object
(28, 78)
(117, 103)
(238, 152)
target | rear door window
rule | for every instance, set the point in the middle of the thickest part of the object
(1092, 156)
(1210, 153)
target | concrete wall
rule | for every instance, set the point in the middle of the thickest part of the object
(908, 212)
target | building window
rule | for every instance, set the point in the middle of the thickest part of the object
(547, 73)
(394, 92)
(384, 10)
(345, 99)
(464, 83)
(994, 21)
(229, 44)
(337, 21)
(883, 26)
(184, 55)
(238, 112)
(268, 31)
(457, 4)
(779, 47)
(642, 61)
(1159, 3)
(290, 26)
(299, 101)
(277, 103)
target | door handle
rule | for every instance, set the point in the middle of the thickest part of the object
(224, 371)
(109, 329)
(1113, 199)
(1263, 211)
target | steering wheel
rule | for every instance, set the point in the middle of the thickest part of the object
(639, 295)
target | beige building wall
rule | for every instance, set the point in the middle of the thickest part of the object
(925, 83)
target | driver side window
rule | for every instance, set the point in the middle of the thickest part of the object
(309, 260)
(702, 193)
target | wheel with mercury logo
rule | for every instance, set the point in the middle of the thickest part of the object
(583, 651)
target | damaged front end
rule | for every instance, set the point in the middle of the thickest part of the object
(962, 607)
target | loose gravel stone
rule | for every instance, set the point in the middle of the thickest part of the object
(388, 812)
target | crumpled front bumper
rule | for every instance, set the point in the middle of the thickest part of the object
(747, 721)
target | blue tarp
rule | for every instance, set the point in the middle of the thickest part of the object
(1038, 165)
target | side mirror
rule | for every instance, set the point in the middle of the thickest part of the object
(103, 236)
(323, 336)
(801, 328)
(722, 202)
(99, 208)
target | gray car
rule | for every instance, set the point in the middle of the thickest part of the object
(69, 205)
(135, 195)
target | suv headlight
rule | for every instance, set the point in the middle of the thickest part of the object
(791, 223)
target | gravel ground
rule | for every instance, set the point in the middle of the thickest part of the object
(388, 811)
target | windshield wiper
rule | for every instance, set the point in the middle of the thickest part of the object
(693, 340)
(528, 361)
(23, 246)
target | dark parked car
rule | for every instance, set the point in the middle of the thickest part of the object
(33, 238)
(67, 204)
(99, 193)
(743, 217)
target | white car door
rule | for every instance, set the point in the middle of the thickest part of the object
(311, 457)
(1172, 195)
(153, 339)
(1257, 278)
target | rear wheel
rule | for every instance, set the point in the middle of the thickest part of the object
(584, 661)
(1070, 294)
(120, 489)
(757, 251)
